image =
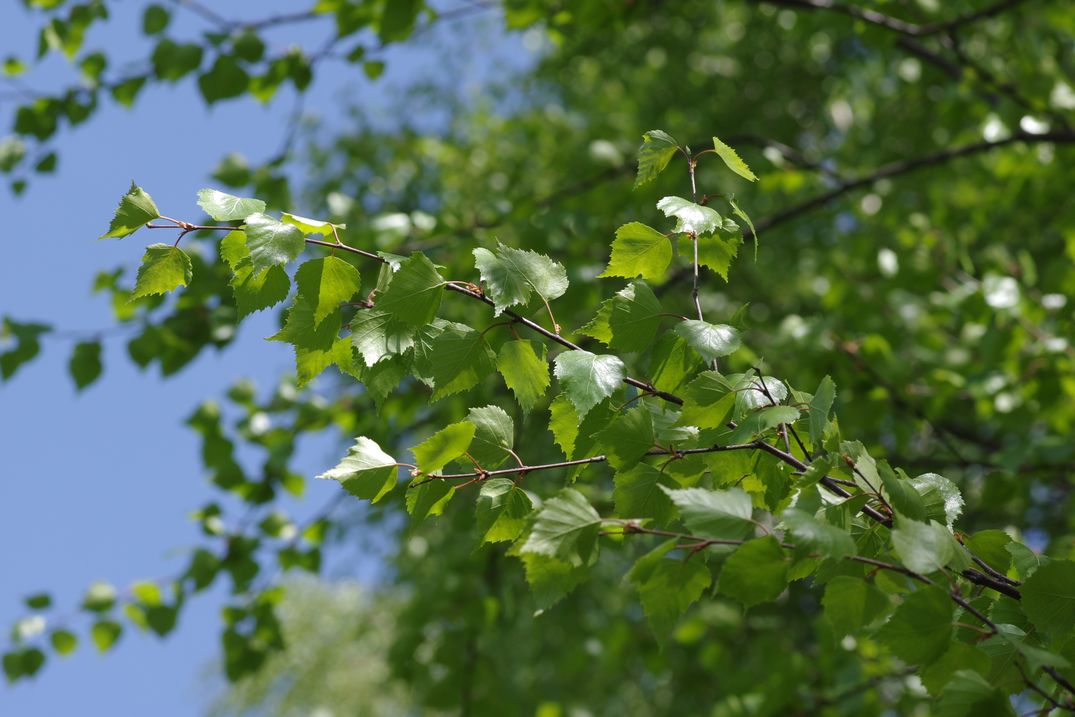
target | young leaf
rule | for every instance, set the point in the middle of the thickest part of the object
(224, 207)
(164, 267)
(708, 401)
(927, 547)
(709, 340)
(494, 436)
(136, 209)
(27, 344)
(921, 628)
(759, 422)
(940, 497)
(1049, 597)
(460, 358)
(718, 514)
(852, 603)
(502, 510)
(526, 372)
(732, 160)
(105, 633)
(443, 447)
(820, 405)
(737, 211)
(566, 528)
(756, 572)
(311, 226)
(824, 539)
(968, 694)
(301, 331)
(414, 294)
(588, 379)
(667, 587)
(377, 335)
(639, 250)
(366, 471)
(271, 242)
(627, 438)
(429, 499)
(714, 251)
(691, 218)
(253, 292)
(550, 579)
(325, 284)
(634, 317)
(638, 494)
(511, 275)
(85, 365)
(658, 148)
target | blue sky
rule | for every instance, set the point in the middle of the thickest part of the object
(98, 485)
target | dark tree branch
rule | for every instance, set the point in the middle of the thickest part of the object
(893, 23)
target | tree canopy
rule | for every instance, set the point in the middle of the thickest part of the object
(720, 363)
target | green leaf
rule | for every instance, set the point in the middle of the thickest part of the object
(638, 494)
(901, 495)
(627, 438)
(737, 211)
(588, 378)
(714, 251)
(494, 436)
(759, 422)
(989, 545)
(926, 547)
(443, 447)
(756, 572)
(105, 633)
(136, 209)
(940, 497)
(63, 642)
(852, 603)
(566, 527)
(325, 284)
(460, 359)
(511, 275)
(253, 291)
(301, 331)
(732, 160)
(525, 370)
(639, 250)
(820, 405)
(271, 242)
(224, 80)
(634, 317)
(717, 514)
(366, 471)
(155, 19)
(164, 267)
(172, 60)
(658, 148)
(224, 207)
(709, 340)
(667, 587)
(502, 511)
(377, 335)
(959, 656)
(825, 539)
(311, 226)
(85, 364)
(968, 694)
(921, 628)
(690, 218)
(708, 401)
(429, 499)
(1049, 597)
(550, 579)
(574, 434)
(414, 294)
(38, 601)
(397, 20)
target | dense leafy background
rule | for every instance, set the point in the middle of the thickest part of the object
(936, 298)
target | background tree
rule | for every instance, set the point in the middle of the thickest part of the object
(913, 223)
